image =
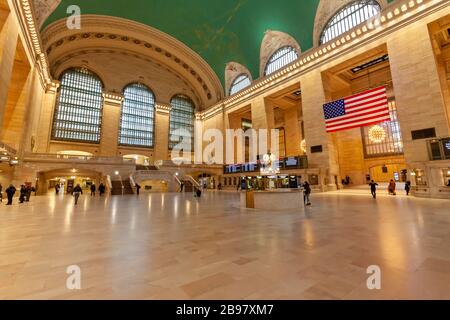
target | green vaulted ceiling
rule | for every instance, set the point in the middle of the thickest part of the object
(220, 31)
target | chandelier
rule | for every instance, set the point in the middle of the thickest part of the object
(377, 134)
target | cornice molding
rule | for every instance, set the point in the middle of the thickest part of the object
(163, 108)
(25, 14)
(113, 98)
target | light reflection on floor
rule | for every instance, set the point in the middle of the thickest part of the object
(175, 246)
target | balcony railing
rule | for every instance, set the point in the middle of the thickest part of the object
(439, 149)
(77, 158)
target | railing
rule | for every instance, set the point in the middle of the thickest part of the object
(439, 149)
(5, 148)
(194, 182)
(77, 158)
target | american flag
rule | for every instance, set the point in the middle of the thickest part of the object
(360, 110)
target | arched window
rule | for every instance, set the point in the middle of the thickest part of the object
(181, 117)
(78, 113)
(349, 17)
(137, 122)
(241, 82)
(282, 57)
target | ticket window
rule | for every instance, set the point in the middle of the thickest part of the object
(420, 177)
(447, 177)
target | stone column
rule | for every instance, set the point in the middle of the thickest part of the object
(313, 99)
(112, 105)
(42, 138)
(8, 44)
(162, 119)
(263, 118)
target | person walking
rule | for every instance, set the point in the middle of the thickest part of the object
(392, 188)
(29, 190)
(23, 194)
(77, 191)
(1, 194)
(373, 188)
(57, 187)
(138, 189)
(10, 191)
(93, 190)
(101, 189)
(408, 187)
(307, 193)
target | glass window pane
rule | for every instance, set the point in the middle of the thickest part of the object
(181, 117)
(138, 117)
(349, 17)
(78, 113)
(240, 83)
(280, 59)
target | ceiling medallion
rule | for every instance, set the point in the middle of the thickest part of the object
(377, 134)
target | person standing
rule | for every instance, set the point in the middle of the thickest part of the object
(373, 188)
(101, 189)
(93, 190)
(23, 194)
(28, 189)
(392, 188)
(10, 191)
(181, 186)
(1, 194)
(77, 191)
(307, 191)
(408, 187)
(57, 187)
(138, 189)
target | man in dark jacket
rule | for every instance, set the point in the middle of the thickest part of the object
(10, 194)
(23, 194)
(373, 188)
(93, 190)
(101, 189)
(307, 191)
(77, 191)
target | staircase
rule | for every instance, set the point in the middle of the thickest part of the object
(117, 189)
(127, 188)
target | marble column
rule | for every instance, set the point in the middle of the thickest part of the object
(112, 106)
(313, 99)
(8, 43)
(162, 119)
(45, 120)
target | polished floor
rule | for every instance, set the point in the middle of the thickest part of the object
(175, 246)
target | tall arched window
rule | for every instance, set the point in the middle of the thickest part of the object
(241, 82)
(349, 17)
(78, 113)
(137, 122)
(181, 117)
(282, 57)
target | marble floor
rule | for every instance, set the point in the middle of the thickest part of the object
(175, 246)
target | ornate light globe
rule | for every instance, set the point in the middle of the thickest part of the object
(377, 134)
